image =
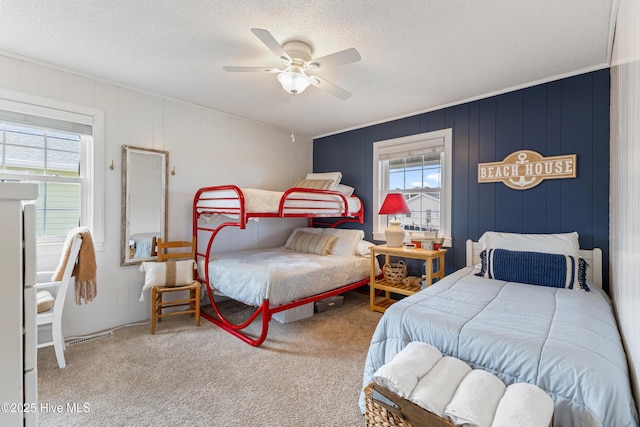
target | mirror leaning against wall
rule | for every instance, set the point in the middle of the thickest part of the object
(144, 202)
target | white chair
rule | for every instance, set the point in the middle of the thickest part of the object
(53, 316)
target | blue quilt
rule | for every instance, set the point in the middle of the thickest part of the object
(562, 340)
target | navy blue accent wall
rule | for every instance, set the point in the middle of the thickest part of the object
(568, 116)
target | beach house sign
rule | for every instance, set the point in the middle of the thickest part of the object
(525, 169)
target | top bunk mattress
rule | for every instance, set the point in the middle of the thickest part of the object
(268, 202)
(281, 275)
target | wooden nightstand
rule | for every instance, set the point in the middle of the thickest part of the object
(381, 303)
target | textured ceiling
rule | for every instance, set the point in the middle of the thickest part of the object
(416, 54)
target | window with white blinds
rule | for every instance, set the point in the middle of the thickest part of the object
(60, 146)
(53, 159)
(417, 166)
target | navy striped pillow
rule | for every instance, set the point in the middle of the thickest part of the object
(535, 268)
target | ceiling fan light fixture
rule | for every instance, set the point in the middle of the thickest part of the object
(293, 82)
(296, 57)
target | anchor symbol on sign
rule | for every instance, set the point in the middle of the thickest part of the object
(522, 159)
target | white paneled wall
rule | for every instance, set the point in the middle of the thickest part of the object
(206, 147)
(625, 181)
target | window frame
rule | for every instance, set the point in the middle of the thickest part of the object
(380, 186)
(92, 214)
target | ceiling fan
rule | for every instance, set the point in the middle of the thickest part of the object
(298, 63)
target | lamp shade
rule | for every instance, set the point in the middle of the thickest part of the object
(394, 204)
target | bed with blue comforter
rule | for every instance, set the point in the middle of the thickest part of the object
(563, 340)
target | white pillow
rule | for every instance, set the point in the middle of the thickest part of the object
(560, 243)
(363, 247)
(334, 176)
(347, 240)
(345, 189)
(303, 229)
(168, 273)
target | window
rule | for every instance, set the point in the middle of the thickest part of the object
(418, 166)
(52, 159)
(55, 145)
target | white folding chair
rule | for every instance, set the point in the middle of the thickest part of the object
(53, 316)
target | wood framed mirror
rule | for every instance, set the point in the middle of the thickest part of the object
(145, 181)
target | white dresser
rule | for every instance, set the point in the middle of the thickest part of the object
(18, 331)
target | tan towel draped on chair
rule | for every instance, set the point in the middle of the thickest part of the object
(84, 270)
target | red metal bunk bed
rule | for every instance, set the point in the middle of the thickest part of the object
(231, 201)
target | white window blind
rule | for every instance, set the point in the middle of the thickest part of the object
(82, 124)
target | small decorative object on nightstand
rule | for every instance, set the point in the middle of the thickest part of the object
(394, 204)
(433, 260)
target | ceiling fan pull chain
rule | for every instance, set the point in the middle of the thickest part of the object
(293, 118)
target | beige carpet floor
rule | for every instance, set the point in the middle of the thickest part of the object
(307, 373)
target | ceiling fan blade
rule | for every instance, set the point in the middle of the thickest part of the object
(251, 69)
(334, 90)
(346, 56)
(266, 38)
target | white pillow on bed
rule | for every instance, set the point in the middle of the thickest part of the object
(347, 240)
(559, 243)
(363, 248)
(334, 176)
(345, 189)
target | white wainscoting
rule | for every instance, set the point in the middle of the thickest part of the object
(625, 181)
(206, 147)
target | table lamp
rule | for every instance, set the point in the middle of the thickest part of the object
(394, 204)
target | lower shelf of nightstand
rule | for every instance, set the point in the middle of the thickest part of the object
(381, 304)
(399, 288)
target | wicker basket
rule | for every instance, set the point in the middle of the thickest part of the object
(376, 416)
(394, 273)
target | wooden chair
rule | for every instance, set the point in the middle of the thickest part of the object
(167, 251)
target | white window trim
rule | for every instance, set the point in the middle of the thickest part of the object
(409, 143)
(40, 106)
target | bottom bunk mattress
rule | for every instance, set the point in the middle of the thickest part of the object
(281, 275)
(564, 341)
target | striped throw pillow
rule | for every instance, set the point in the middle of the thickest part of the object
(311, 243)
(535, 268)
(316, 184)
(169, 273)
